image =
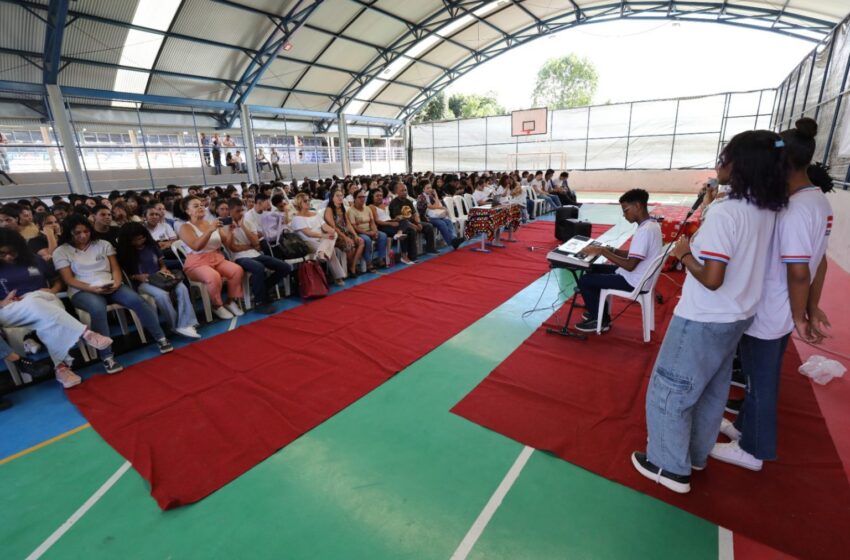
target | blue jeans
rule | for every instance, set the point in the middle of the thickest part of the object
(600, 277)
(688, 391)
(95, 305)
(180, 318)
(259, 283)
(529, 207)
(761, 362)
(380, 243)
(553, 198)
(447, 230)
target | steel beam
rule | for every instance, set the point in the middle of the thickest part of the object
(284, 28)
(57, 11)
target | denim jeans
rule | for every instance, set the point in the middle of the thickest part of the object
(447, 229)
(259, 283)
(761, 362)
(553, 198)
(529, 207)
(688, 391)
(180, 318)
(600, 277)
(380, 246)
(95, 305)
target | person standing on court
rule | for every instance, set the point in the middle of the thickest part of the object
(790, 300)
(726, 263)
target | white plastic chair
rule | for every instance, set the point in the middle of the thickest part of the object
(247, 295)
(179, 249)
(645, 298)
(119, 310)
(469, 201)
(454, 216)
(540, 204)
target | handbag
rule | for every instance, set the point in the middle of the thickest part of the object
(292, 246)
(311, 280)
(167, 283)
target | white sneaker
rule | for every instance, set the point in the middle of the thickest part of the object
(729, 430)
(233, 307)
(188, 332)
(733, 454)
(222, 313)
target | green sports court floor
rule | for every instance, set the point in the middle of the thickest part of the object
(395, 475)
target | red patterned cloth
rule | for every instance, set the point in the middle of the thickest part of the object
(489, 220)
(673, 216)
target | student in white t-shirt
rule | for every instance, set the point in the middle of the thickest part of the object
(628, 267)
(792, 287)
(726, 262)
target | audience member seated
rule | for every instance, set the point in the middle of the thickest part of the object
(204, 261)
(120, 214)
(481, 195)
(347, 239)
(141, 258)
(361, 219)
(102, 224)
(390, 227)
(28, 229)
(244, 244)
(402, 210)
(431, 210)
(29, 286)
(47, 240)
(540, 187)
(628, 266)
(90, 269)
(319, 236)
(564, 192)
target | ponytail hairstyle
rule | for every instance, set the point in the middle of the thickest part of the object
(819, 176)
(800, 143)
(759, 172)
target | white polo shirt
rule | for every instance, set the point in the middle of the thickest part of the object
(90, 265)
(802, 232)
(646, 245)
(738, 234)
(162, 232)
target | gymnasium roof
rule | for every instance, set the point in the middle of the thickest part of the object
(380, 58)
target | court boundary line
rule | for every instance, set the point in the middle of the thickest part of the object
(477, 529)
(81, 511)
(725, 544)
(44, 443)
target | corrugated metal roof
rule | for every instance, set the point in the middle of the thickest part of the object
(369, 37)
(222, 23)
(21, 29)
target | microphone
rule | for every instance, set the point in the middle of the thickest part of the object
(697, 203)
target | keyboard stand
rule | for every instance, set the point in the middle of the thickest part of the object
(565, 330)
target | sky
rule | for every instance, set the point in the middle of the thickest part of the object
(638, 60)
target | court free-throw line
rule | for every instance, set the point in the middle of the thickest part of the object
(493, 504)
(65, 527)
(725, 547)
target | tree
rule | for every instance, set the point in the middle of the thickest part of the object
(568, 81)
(433, 110)
(466, 106)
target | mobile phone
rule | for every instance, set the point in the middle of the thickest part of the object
(226, 221)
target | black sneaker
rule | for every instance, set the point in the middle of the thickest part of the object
(265, 309)
(5, 404)
(739, 379)
(733, 406)
(589, 326)
(675, 482)
(457, 242)
(112, 366)
(36, 370)
(164, 346)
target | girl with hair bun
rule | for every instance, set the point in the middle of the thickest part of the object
(726, 262)
(790, 301)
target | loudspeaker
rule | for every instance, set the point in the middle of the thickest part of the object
(565, 213)
(567, 229)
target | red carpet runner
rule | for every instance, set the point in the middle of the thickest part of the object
(585, 403)
(195, 419)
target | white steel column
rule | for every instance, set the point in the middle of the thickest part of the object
(62, 125)
(248, 142)
(342, 126)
